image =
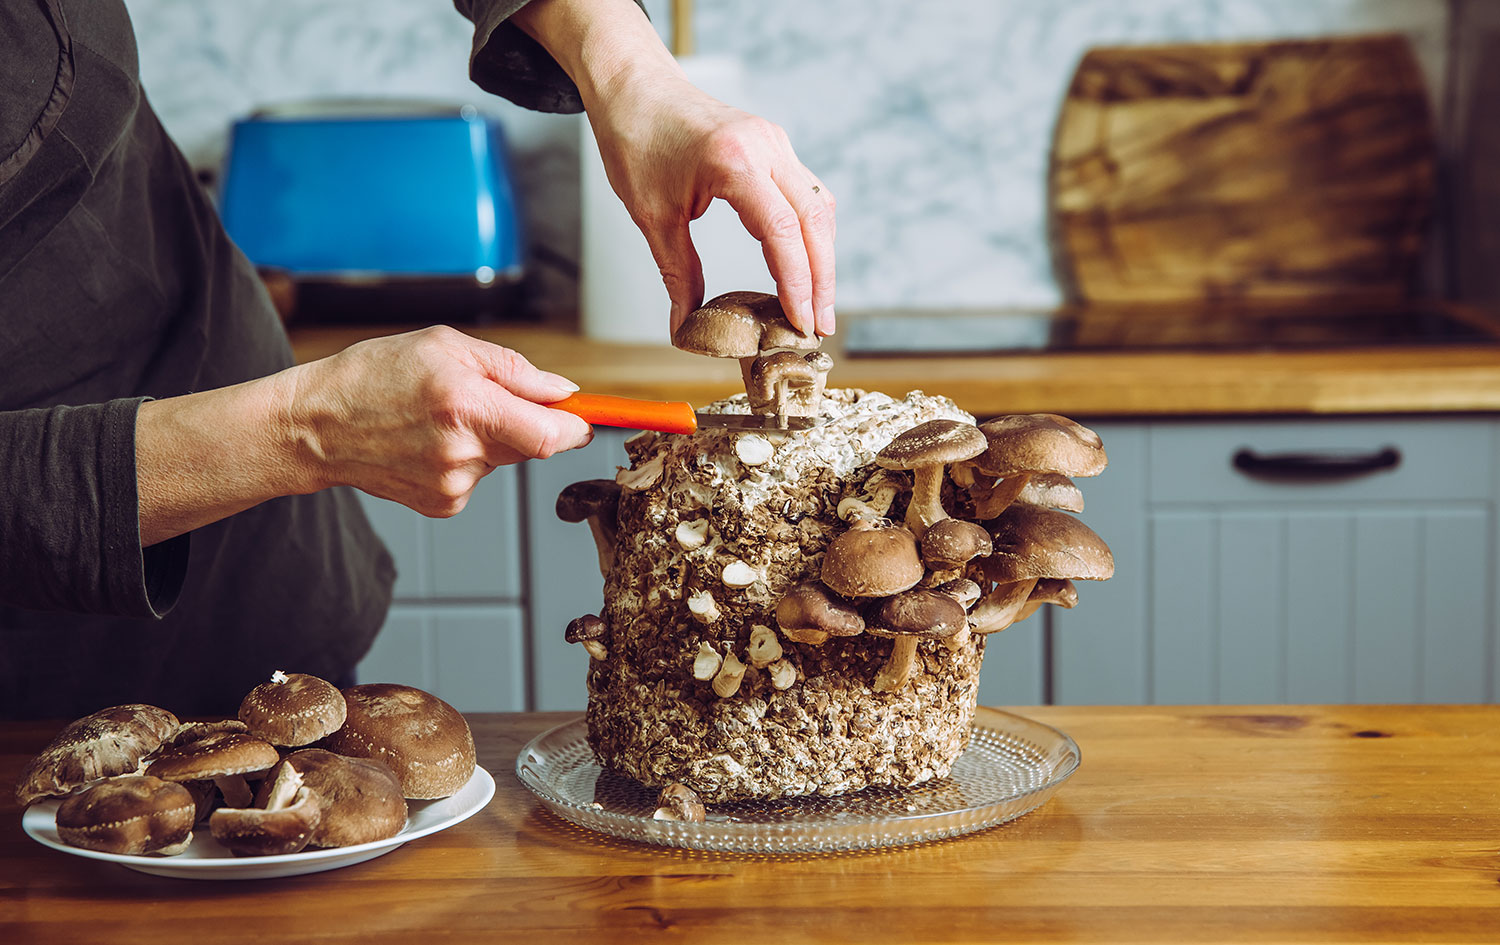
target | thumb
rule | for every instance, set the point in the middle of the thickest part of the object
(512, 371)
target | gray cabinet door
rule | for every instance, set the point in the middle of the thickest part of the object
(563, 579)
(1370, 587)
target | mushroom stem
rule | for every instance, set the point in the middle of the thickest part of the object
(746, 364)
(926, 506)
(1000, 606)
(959, 640)
(604, 541)
(236, 792)
(991, 502)
(897, 669)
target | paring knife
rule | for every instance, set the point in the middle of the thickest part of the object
(670, 416)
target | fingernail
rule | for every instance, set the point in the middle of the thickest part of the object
(559, 381)
(826, 321)
(807, 322)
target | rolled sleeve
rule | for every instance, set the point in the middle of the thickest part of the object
(70, 515)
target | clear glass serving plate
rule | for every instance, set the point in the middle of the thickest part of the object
(1011, 767)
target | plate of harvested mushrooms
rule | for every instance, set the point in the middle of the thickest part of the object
(307, 778)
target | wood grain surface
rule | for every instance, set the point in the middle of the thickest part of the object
(1427, 379)
(1190, 825)
(1243, 170)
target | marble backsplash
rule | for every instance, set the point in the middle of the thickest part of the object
(931, 122)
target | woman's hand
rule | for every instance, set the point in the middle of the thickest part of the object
(418, 418)
(422, 417)
(670, 149)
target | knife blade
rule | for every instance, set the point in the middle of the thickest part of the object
(670, 416)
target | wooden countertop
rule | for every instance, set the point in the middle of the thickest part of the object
(1191, 825)
(1427, 379)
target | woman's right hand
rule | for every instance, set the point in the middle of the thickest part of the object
(421, 417)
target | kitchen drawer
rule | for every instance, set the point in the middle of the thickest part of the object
(1440, 459)
(472, 656)
(476, 554)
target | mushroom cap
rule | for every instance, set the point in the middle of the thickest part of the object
(1051, 491)
(590, 497)
(939, 441)
(1033, 542)
(1059, 591)
(812, 606)
(587, 627)
(135, 814)
(293, 709)
(740, 325)
(359, 799)
(419, 736)
(963, 590)
(1040, 442)
(107, 743)
(677, 801)
(219, 755)
(278, 828)
(190, 732)
(920, 612)
(953, 542)
(872, 561)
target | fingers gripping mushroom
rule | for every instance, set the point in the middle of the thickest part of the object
(1024, 445)
(598, 501)
(925, 449)
(910, 617)
(589, 630)
(811, 613)
(740, 325)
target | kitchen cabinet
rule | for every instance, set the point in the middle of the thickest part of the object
(1233, 586)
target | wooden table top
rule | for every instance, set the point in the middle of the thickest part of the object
(1376, 380)
(1183, 824)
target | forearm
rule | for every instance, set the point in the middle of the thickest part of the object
(603, 45)
(203, 457)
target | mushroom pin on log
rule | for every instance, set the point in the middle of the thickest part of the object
(597, 500)
(925, 449)
(588, 630)
(787, 384)
(811, 613)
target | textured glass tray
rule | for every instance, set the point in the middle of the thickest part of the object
(1012, 766)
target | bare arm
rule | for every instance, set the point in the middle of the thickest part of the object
(670, 149)
(418, 418)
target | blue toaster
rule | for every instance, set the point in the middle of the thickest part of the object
(369, 192)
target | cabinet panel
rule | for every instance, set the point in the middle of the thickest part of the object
(1319, 620)
(1385, 598)
(1440, 459)
(1014, 663)
(1456, 597)
(1184, 644)
(563, 570)
(472, 656)
(476, 554)
(1100, 651)
(1252, 607)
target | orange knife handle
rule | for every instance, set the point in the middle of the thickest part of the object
(603, 409)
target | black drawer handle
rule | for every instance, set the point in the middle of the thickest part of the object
(1315, 466)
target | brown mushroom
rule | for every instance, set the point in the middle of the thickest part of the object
(871, 560)
(925, 449)
(1051, 491)
(284, 825)
(133, 815)
(107, 743)
(1059, 591)
(293, 710)
(967, 593)
(787, 384)
(359, 799)
(1032, 543)
(423, 739)
(1023, 445)
(811, 613)
(598, 501)
(952, 543)
(224, 758)
(190, 732)
(588, 630)
(909, 617)
(740, 325)
(679, 802)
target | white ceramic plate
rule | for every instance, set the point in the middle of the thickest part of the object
(206, 859)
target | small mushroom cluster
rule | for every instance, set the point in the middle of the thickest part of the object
(304, 765)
